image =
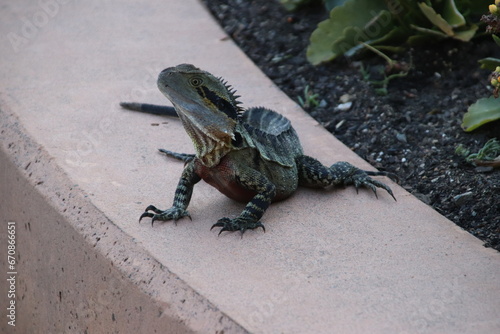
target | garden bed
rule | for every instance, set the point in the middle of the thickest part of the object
(412, 131)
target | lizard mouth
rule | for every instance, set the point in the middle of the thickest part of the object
(198, 115)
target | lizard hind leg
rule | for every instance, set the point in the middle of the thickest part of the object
(314, 174)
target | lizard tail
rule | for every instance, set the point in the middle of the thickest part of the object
(150, 108)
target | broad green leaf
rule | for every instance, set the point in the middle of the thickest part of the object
(436, 19)
(375, 29)
(347, 27)
(483, 111)
(452, 15)
(466, 35)
(321, 41)
(489, 63)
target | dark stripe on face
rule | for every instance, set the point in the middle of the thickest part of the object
(238, 140)
(220, 103)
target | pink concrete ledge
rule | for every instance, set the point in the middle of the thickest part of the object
(77, 171)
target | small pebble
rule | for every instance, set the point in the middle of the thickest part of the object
(344, 106)
(401, 137)
(346, 98)
(339, 124)
(434, 180)
(462, 198)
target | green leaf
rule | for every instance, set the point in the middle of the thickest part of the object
(388, 42)
(496, 39)
(483, 111)
(396, 36)
(451, 18)
(436, 19)
(452, 15)
(466, 35)
(354, 22)
(489, 63)
(434, 33)
(393, 49)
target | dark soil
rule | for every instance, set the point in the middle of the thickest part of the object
(412, 131)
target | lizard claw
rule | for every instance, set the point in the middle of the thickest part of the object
(361, 178)
(146, 214)
(237, 224)
(174, 213)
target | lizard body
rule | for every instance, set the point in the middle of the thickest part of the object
(251, 156)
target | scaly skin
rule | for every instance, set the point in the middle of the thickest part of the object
(253, 157)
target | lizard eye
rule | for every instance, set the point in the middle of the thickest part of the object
(195, 82)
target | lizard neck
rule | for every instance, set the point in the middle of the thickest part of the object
(210, 149)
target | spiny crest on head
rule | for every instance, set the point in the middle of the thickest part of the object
(232, 94)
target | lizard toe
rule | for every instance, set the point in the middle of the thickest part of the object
(237, 224)
(374, 184)
(173, 213)
(153, 208)
(146, 214)
(362, 178)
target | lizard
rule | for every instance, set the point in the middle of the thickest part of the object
(253, 156)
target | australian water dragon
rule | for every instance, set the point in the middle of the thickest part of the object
(252, 156)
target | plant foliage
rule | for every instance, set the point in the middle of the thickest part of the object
(483, 111)
(488, 155)
(389, 24)
(487, 109)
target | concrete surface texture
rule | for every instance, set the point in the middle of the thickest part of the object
(77, 171)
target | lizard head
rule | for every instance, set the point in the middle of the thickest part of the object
(207, 106)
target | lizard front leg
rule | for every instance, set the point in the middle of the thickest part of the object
(313, 174)
(182, 198)
(253, 180)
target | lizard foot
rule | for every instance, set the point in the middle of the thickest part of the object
(361, 178)
(237, 224)
(174, 213)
